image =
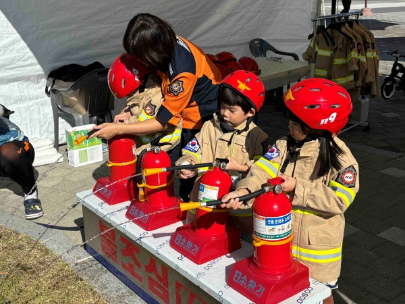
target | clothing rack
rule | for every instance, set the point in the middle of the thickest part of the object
(315, 25)
(315, 20)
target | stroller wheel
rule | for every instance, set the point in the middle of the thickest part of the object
(388, 88)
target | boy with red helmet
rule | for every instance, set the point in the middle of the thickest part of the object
(128, 77)
(319, 171)
(231, 134)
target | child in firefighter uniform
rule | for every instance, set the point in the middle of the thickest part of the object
(16, 158)
(231, 135)
(128, 77)
(319, 171)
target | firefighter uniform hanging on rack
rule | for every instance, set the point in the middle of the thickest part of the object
(346, 53)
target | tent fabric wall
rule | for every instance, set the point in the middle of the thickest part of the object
(39, 36)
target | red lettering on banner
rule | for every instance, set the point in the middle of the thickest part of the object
(159, 287)
(181, 290)
(129, 251)
(108, 244)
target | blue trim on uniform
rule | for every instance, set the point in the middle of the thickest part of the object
(139, 291)
(164, 115)
(183, 61)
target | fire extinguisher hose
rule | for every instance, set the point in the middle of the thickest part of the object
(194, 205)
(151, 171)
(84, 137)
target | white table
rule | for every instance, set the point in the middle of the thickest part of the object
(277, 73)
(187, 280)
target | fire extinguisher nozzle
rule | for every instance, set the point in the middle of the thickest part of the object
(151, 171)
(79, 140)
(189, 206)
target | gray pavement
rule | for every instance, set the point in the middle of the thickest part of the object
(373, 268)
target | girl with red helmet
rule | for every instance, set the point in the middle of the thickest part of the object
(231, 135)
(319, 171)
(128, 77)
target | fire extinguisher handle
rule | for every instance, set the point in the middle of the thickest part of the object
(241, 198)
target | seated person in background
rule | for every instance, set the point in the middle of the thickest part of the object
(16, 158)
(230, 134)
(128, 77)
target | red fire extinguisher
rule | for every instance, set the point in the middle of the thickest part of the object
(122, 164)
(272, 266)
(156, 193)
(209, 236)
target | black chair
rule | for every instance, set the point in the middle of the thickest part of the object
(259, 47)
(98, 96)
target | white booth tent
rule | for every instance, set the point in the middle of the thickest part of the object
(39, 36)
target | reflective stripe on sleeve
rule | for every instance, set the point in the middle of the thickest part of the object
(303, 210)
(197, 155)
(268, 166)
(343, 80)
(321, 72)
(343, 192)
(317, 256)
(172, 136)
(339, 61)
(144, 116)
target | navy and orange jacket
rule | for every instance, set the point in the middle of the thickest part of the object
(190, 87)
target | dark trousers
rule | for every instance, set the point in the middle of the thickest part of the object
(186, 185)
(16, 160)
(346, 5)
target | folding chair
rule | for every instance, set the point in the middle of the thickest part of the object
(97, 95)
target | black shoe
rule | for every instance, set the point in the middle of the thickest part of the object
(33, 209)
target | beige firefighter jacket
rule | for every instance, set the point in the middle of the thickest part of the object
(369, 77)
(318, 203)
(323, 53)
(361, 62)
(211, 143)
(144, 106)
(344, 60)
(375, 89)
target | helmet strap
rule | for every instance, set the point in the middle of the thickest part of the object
(143, 83)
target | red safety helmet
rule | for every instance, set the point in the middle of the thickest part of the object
(249, 64)
(247, 85)
(126, 75)
(225, 56)
(320, 103)
(221, 69)
(232, 66)
(213, 58)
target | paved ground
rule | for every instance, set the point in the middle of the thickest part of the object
(373, 268)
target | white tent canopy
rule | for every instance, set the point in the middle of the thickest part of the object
(39, 36)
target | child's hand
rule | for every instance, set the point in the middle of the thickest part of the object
(187, 173)
(289, 183)
(105, 131)
(233, 165)
(122, 116)
(234, 203)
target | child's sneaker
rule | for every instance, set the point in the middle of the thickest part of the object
(33, 208)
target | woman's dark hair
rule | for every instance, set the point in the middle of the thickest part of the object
(151, 40)
(329, 151)
(231, 98)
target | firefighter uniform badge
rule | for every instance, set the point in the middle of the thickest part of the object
(347, 177)
(273, 152)
(193, 146)
(150, 108)
(176, 87)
